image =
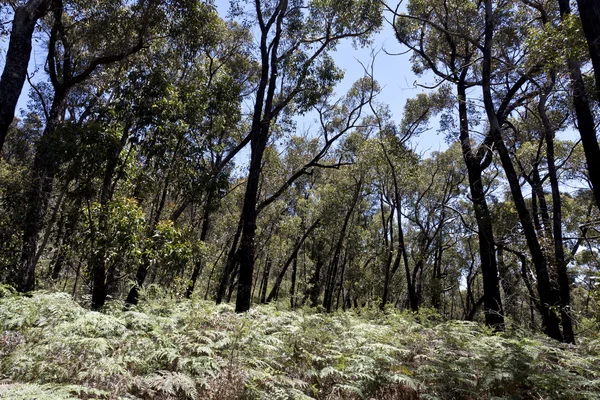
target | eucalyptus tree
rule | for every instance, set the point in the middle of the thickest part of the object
(589, 12)
(295, 71)
(549, 294)
(194, 122)
(81, 42)
(581, 101)
(445, 38)
(16, 64)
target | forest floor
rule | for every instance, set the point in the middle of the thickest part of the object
(53, 348)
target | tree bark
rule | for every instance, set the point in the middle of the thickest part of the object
(548, 295)
(589, 12)
(229, 264)
(585, 117)
(332, 270)
(559, 253)
(275, 291)
(17, 61)
(259, 134)
(487, 252)
(198, 265)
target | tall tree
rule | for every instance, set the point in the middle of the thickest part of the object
(17, 60)
(581, 103)
(441, 44)
(294, 40)
(548, 294)
(589, 12)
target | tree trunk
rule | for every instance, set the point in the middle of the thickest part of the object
(559, 252)
(332, 270)
(315, 282)
(203, 234)
(97, 263)
(291, 258)
(43, 170)
(229, 264)
(585, 117)
(589, 12)
(17, 61)
(259, 134)
(547, 293)
(293, 287)
(388, 246)
(265, 281)
(487, 252)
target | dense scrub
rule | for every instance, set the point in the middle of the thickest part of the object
(53, 348)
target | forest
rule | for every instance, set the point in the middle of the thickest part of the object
(191, 208)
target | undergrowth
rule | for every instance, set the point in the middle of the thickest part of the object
(52, 348)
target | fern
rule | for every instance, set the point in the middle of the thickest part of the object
(195, 350)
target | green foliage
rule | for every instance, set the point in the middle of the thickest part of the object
(53, 348)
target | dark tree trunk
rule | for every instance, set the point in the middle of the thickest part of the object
(332, 270)
(233, 280)
(389, 248)
(560, 263)
(97, 263)
(341, 283)
(545, 227)
(547, 293)
(436, 284)
(291, 258)
(589, 12)
(265, 281)
(315, 283)
(229, 264)
(487, 252)
(259, 133)
(585, 117)
(17, 60)
(42, 174)
(203, 234)
(293, 287)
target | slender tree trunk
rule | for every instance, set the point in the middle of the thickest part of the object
(341, 283)
(229, 264)
(203, 234)
(547, 293)
(291, 258)
(589, 12)
(265, 281)
(43, 170)
(388, 264)
(315, 282)
(233, 280)
(332, 270)
(559, 253)
(585, 117)
(97, 262)
(293, 287)
(259, 134)
(487, 252)
(17, 60)
(436, 284)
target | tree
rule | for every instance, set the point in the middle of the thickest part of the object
(581, 102)
(294, 40)
(441, 44)
(17, 60)
(589, 12)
